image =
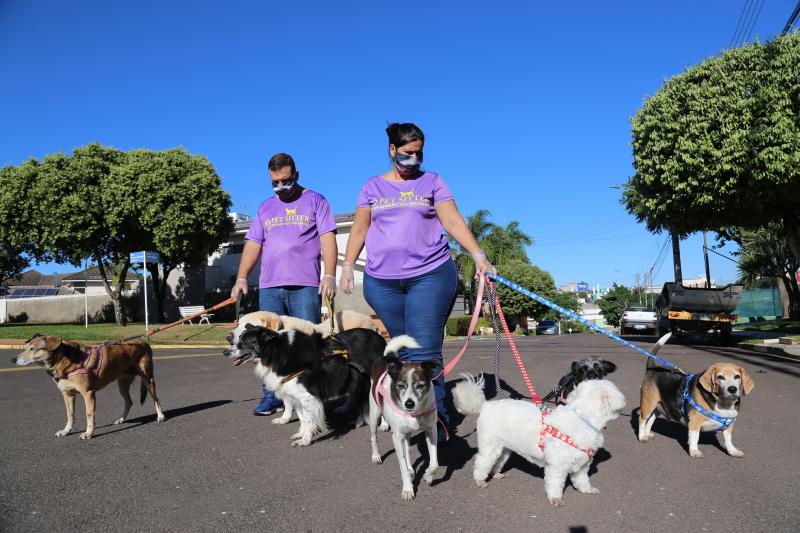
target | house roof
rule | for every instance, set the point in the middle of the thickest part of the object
(243, 224)
(93, 274)
(344, 217)
(34, 278)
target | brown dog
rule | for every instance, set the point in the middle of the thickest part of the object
(86, 370)
(718, 390)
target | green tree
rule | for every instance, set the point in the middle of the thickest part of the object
(180, 207)
(614, 302)
(105, 203)
(534, 279)
(765, 253)
(480, 226)
(717, 146)
(12, 262)
(567, 300)
(501, 245)
(62, 216)
(507, 243)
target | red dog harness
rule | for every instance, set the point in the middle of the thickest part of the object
(547, 429)
(92, 360)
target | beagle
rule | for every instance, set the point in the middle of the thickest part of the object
(705, 402)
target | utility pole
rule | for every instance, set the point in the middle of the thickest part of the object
(637, 289)
(705, 256)
(676, 257)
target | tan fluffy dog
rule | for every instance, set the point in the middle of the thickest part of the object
(77, 369)
(719, 390)
(343, 320)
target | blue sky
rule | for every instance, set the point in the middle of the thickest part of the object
(525, 104)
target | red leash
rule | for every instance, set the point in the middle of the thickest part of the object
(547, 429)
(524, 371)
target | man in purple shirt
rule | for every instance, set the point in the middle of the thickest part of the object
(290, 233)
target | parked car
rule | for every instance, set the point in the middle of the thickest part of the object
(638, 319)
(547, 327)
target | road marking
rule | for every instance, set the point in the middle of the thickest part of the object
(187, 355)
(157, 357)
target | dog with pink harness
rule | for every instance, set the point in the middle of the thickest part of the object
(402, 394)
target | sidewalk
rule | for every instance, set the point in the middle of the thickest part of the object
(774, 343)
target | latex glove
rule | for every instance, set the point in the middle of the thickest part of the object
(327, 286)
(239, 286)
(482, 265)
(346, 279)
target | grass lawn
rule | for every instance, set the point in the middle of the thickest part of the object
(785, 326)
(182, 334)
(751, 340)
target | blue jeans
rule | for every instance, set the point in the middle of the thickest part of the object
(418, 307)
(299, 302)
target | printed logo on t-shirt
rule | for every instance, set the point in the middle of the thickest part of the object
(291, 218)
(406, 199)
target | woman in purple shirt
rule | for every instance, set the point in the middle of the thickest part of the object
(410, 279)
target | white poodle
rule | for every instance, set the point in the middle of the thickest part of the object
(506, 426)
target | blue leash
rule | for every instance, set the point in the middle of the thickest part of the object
(687, 398)
(573, 316)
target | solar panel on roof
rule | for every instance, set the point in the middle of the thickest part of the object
(34, 292)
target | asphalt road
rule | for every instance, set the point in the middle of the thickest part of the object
(213, 466)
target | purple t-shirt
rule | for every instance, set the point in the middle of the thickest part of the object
(405, 238)
(289, 236)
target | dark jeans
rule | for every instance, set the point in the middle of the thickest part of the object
(299, 302)
(418, 307)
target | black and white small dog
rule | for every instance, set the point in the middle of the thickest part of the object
(307, 370)
(581, 370)
(402, 394)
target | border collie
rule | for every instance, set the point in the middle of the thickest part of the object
(307, 370)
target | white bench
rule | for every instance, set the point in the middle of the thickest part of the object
(190, 310)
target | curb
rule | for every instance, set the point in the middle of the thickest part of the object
(771, 349)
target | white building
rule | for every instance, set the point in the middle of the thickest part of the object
(223, 266)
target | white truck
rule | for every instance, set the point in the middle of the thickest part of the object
(638, 320)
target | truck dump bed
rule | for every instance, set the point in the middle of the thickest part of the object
(676, 297)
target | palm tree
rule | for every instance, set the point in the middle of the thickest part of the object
(501, 244)
(481, 227)
(508, 243)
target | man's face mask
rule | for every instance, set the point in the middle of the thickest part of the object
(285, 187)
(407, 163)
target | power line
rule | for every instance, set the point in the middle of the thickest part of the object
(753, 23)
(792, 19)
(745, 8)
(721, 255)
(557, 243)
(660, 259)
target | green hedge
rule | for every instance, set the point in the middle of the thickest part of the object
(457, 326)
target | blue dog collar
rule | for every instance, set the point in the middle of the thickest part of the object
(687, 398)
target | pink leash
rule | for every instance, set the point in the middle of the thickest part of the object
(474, 322)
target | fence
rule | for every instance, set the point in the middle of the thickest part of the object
(759, 303)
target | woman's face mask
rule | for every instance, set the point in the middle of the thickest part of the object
(407, 163)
